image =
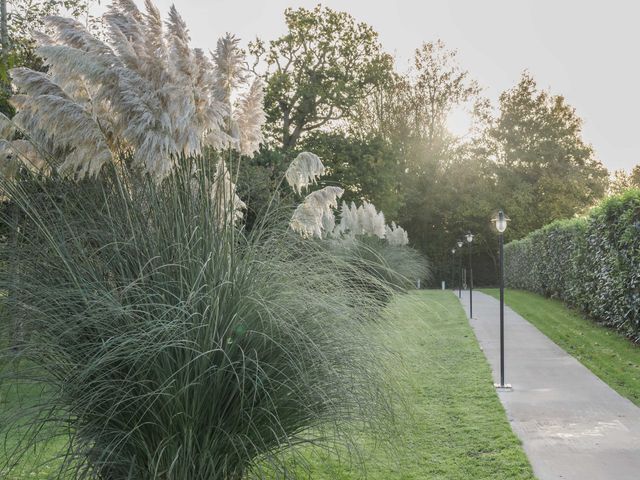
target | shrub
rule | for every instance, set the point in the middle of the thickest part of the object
(591, 263)
(176, 347)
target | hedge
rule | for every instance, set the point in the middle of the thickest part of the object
(590, 263)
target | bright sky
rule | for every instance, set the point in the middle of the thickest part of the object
(585, 50)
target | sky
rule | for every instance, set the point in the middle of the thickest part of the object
(585, 50)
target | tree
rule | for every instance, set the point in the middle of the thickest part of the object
(545, 170)
(621, 181)
(318, 71)
(19, 19)
(444, 184)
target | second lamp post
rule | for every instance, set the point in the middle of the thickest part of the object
(460, 269)
(469, 237)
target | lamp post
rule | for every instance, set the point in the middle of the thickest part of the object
(469, 237)
(501, 225)
(460, 268)
(453, 276)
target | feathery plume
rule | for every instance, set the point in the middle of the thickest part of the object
(249, 117)
(67, 126)
(35, 83)
(362, 220)
(145, 93)
(370, 221)
(304, 170)
(70, 32)
(181, 56)
(230, 67)
(229, 207)
(314, 216)
(396, 235)
(348, 219)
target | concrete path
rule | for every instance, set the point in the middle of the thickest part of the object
(572, 424)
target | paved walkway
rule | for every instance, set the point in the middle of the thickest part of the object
(572, 425)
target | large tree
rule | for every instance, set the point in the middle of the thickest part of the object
(318, 71)
(445, 186)
(545, 169)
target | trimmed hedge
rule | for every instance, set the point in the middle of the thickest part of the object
(591, 263)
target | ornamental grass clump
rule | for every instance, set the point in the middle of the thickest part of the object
(173, 346)
(170, 342)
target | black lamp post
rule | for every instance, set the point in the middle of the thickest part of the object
(453, 275)
(469, 237)
(501, 225)
(460, 268)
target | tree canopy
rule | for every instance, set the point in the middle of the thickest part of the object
(318, 70)
(545, 170)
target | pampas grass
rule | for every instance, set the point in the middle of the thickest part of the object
(314, 216)
(170, 342)
(144, 90)
(304, 171)
(172, 346)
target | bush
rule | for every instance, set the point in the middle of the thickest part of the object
(591, 264)
(174, 347)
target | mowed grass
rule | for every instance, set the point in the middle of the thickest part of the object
(609, 355)
(450, 423)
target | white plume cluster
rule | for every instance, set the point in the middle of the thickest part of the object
(366, 220)
(244, 118)
(362, 220)
(231, 72)
(314, 216)
(229, 207)
(144, 91)
(305, 169)
(249, 116)
(396, 235)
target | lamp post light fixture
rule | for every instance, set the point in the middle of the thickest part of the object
(469, 238)
(460, 268)
(501, 225)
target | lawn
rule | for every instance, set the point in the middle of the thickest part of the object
(451, 424)
(609, 355)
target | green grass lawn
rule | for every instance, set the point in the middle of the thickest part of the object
(451, 424)
(609, 355)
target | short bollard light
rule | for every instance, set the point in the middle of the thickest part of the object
(501, 225)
